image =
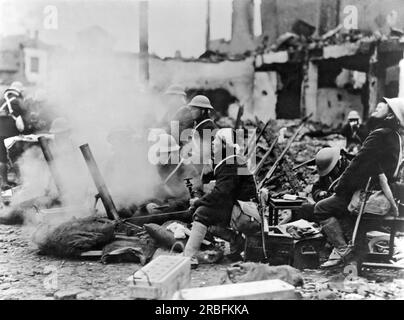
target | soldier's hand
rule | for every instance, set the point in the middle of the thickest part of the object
(192, 201)
(394, 210)
(323, 194)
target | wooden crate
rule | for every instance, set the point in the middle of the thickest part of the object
(254, 290)
(161, 278)
(282, 249)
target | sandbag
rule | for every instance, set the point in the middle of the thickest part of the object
(75, 236)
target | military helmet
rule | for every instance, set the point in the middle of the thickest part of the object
(326, 160)
(397, 106)
(200, 101)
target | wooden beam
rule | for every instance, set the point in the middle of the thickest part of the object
(144, 41)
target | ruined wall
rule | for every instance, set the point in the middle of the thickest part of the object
(265, 97)
(278, 16)
(373, 14)
(237, 77)
(242, 34)
(333, 105)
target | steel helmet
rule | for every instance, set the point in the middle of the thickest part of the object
(175, 89)
(397, 106)
(60, 125)
(17, 86)
(200, 101)
(167, 143)
(326, 159)
(353, 115)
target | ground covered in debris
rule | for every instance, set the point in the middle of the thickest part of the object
(26, 275)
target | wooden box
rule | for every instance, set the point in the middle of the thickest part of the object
(282, 249)
(161, 278)
(254, 290)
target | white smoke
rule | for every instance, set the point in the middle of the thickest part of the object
(97, 93)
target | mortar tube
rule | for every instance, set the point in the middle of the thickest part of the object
(102, 189)
(44, 143)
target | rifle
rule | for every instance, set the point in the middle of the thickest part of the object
(310, 162)
(247, 151)
(239, 115)
(174, 171)
(279, 159)
(361, 211)
(160, 218)
(264, 158)
(262, 197)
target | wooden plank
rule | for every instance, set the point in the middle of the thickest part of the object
(381, 265)
(255, 290)
(91, 254)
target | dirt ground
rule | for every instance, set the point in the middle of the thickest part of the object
(26, 275)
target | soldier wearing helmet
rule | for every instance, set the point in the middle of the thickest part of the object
(165, 154)
(354, 132)
(195, 115)
(330, 163)
(174, 98)
(11, 122)
(376, 163)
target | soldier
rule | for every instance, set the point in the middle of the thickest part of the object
(330, 163)
(378, 159)
(174, 98)
(172, 171)
(195, 116)
(354, 132)
(11, 122)
(213, 211)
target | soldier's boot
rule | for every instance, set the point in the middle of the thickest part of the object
(332, 229)
(194, 242)
(235, 239)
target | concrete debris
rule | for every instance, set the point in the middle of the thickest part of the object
(246, 272)
(69, 294)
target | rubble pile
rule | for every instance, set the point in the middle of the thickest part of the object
(330, 285)
(304, 148)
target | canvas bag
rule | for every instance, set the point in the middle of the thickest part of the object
(245, 217)
(377, 202)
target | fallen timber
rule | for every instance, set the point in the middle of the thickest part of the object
(281, 156)
(249, 150)
(265, 157)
